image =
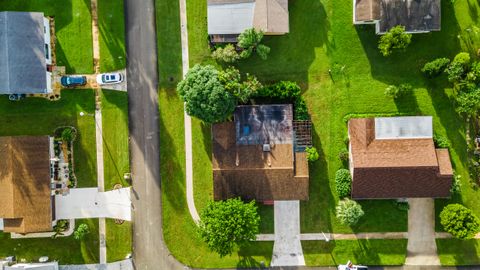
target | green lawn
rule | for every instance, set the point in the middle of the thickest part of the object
(38, 116)
(323, 40)
(364, 252)
(458, 252)
(111, 26)
(116, 161)
(73, 29)
(65, 250)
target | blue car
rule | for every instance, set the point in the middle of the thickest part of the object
(72, 81)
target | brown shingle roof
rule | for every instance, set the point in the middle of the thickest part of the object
(396, 168)
(248, 172)
(25, 201)
(367, 10)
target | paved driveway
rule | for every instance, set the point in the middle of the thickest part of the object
(90, 203)
(421, 248)
(287, 249)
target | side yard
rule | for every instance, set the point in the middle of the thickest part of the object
(37, 116)
(116, 161)
(73, 29)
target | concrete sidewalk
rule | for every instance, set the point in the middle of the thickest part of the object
(120, 265)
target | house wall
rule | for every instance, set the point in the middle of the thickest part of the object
(48, 47)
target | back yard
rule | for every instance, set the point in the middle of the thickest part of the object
(321, 38)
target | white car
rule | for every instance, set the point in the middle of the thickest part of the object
(109, 78)
(350, 266)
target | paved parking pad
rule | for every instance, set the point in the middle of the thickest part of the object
(90, 203)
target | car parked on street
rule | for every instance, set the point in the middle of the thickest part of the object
(72, 81)
(350, 266)
(109, 78)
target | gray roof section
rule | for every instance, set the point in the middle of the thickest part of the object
(230, 18)
(415, 15)
(22, 53)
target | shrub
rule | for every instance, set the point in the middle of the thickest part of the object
(402, 206)
(286, 91)
(312, 154)
(349, 212)
(462, 58)
(394, 39)
(456, 184)
(227, 224)
(435, 67)
(343, 183)
(343, 155)
(81, 231)
(227, 54)
(205, 96)
(455, 71)
(459, 221)
(68, 134)
(441, 141)
(396, 92)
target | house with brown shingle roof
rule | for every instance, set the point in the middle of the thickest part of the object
(229, 18)
(417, 16)
(395, 157)
(25, 196)
(254, 156)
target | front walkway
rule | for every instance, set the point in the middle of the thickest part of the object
(421, 248)
(90, 203)
(287, 249)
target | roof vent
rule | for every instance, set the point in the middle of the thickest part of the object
(266, 147)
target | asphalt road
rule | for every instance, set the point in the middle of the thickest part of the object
(149, 250)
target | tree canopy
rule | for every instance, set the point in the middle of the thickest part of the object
(205, 96)
(227, 224)
(250, 41)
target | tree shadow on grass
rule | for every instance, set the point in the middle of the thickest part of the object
(315, 213)
(257, 249)
(292, 54)
(171, 169)
(405, 66)
(408, 104)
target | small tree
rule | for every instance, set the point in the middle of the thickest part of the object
(349, 212)
(468, 102)
(205, 96)
(436, 67)
(343, 183)
(459, 221)
(395, 39)
(312, 154)
(226, 54)
(230, 78)
(226, 224)
(458, 69)
(250, 41)
(81, 232)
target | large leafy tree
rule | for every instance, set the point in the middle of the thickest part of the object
(226, 224)
(250, 41)
(395, 39)
(459, 221)
(205, 96)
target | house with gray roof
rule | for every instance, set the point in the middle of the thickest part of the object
(25, 53)
(417, 16)
(229, 18)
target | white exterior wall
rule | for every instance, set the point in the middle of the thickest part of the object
(49, 82)
(46, 33)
